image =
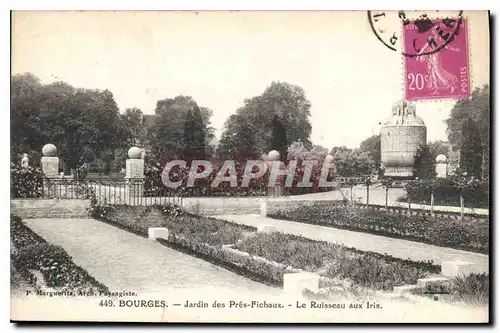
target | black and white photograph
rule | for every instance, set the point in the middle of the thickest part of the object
(250, 166)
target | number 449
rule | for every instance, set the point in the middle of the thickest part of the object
(106, 303)
(417, 81)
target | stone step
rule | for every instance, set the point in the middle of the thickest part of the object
(456, 268)
(406, 289)
(435, 285)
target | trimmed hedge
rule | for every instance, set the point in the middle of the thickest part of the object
(441, 231)
(32, 252)
(446, 194)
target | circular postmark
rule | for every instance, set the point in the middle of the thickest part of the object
(427, 35)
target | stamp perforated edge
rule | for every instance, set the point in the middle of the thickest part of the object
(469, 62)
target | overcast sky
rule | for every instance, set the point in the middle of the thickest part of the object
(221, 58)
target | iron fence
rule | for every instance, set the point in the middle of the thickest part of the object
(139, 191)
(106, 191)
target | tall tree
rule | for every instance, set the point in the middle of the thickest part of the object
(439, 147)
(278, 138)
(471, 149)
(424, 163)
(194, 136)
(317, 152)
(167, 136)
(371, 146)
(82, 123)
(352, 162)
(477, 108)
(283, 99)
(238, 144)
(132, 120)
(297, 151)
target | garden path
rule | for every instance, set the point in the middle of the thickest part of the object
(398, 248)
(377, 197)
(124, 261)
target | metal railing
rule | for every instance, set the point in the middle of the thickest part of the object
(107, 191)
(141, 191)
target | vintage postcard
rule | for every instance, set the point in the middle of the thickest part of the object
(250, 166)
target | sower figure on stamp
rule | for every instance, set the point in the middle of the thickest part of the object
(439, 78)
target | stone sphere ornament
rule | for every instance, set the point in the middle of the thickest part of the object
(273, 155)
(441, 158)
(49, 150)
(135, 153)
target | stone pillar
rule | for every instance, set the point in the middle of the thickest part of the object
(50, 168)
(274, 162)
(441, 166)
(134, 174)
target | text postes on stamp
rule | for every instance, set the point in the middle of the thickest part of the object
(441, 74)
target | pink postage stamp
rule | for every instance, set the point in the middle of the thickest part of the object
(438, 67)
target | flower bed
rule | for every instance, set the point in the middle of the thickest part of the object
(267, 257)
(197, 228)
(362, 268)
(447, 194)
(206, 237)
(441, 231)
(32, 253)
(199, 236)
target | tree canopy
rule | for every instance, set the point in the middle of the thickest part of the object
(180, 123)
(253, 124)
(424, 163)
(470, 120)
(82, 123)
(352, 162)
(371, 146)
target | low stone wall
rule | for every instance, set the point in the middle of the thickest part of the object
(222, 206)
(50, 208)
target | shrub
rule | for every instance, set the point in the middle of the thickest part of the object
(447, 194)
(473, 289)
(26, 182)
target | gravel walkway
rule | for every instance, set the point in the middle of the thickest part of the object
(122, 260)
